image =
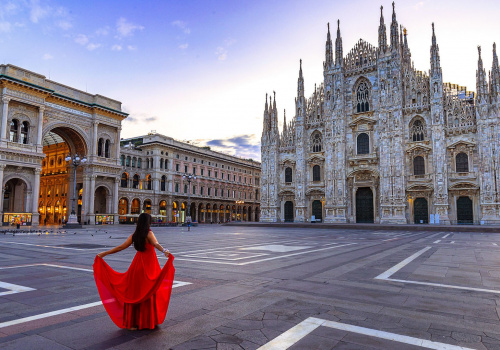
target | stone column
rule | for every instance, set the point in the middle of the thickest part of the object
(94, 138)
(2, 168)
(118, 133)
(5, 113)
(90, 211)
(116, 199)
(40, 126)
(35, 216)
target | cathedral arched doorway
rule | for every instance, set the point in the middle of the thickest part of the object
(317, 210)
(57, 178)
(289, 211)
(465, 213)
(364, 205)
(421, 211)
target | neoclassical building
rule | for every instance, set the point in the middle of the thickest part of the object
(154, 180)
(43, 121)
(379, 141)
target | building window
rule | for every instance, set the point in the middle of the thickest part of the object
(216, 174)
(24, 132)
(122, 158)
(107, 149)
(135, 181)
(161, 163)
(139, 161)
(185, 168)
(100, 146)
(417, 131)
(177, 166)
(362, 98)
(185, 188)
(462, 163)
(288, 174)
(209, 173)
(363, 143)
(316, 173)
(163, 183)
(148, 181)
(194, 190)
(128, 161)
(166, 164)
(202, 190)
(317, 142)
(418, 165)
(216, 192)
(176, 187)
(134, 160)
(124, 180)
(209, 191)
(13, 130)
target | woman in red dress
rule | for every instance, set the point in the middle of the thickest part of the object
(138, 298)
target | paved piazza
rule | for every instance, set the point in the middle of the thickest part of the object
(262, 288)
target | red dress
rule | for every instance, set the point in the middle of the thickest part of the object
(139, 297)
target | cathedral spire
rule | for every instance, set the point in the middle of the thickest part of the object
(435, 60)
(382, 33)
(328, 50)
(300, 83)
(338, 47)
(266, 127)
(495, 76)
(394, 30)
(481, 87)
(284, 122)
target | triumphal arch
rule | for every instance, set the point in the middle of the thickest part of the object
(42, 123)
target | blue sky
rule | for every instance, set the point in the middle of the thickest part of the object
(199, 70)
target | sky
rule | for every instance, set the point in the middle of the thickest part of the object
(198, 71)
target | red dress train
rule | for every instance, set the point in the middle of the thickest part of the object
(139, 297)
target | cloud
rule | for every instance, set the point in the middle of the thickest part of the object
(418, 5)
(93, 46)
(81, 39)
(131, 47)
(141, 118)
(183, 46)
(221, 53)
(229, 42)
(102, 31)
(116, 47)
(126, 28)
(150, 119)
(64, 24)
(5, 27)
(47, 56)
(245, 146)
(37, 11)
(182, 25)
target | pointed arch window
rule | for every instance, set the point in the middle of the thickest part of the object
(24, 132)
(363, 144)
(462, 163)
(288, 174)
(316, 173)
(362, 97)
(417, 131)
(418, 165)
(13, 130)
(317, 142)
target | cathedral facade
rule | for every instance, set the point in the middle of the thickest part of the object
(381, 142)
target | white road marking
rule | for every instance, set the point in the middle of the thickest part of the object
(13, 288)
(50, 246)
(437, 241)
(495, 244)
(261, 260)
(294, 334)
(446, 235)
(452, 242)
(176, 284)
(396, 268)
(387, 274)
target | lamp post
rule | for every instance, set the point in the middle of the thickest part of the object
(189, 178)
(76, 160)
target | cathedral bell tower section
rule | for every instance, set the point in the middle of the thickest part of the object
(300, 161)
(440, 197)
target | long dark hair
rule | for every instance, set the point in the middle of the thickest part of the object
(141, 232)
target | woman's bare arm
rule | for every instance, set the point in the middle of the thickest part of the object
(117, 249)
(152, 239)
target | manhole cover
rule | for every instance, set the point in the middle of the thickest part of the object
(82, 246)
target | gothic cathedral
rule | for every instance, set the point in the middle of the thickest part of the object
(381, 142)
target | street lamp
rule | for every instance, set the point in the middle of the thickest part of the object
(189, 178)
(76, 160)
